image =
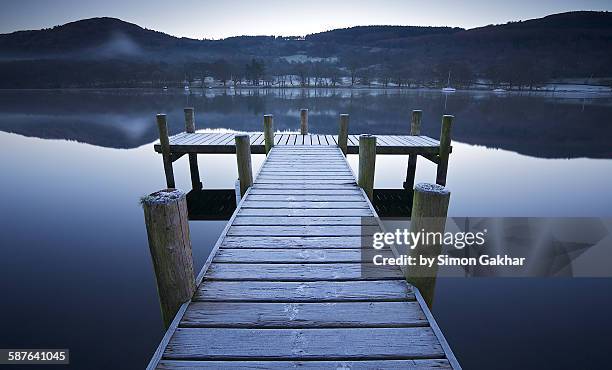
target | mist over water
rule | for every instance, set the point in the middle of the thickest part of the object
(75, 267)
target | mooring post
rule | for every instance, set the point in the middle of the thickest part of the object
(343, 133)
(243, 156)
(429, 210)
(445, 145)
(269, 131)
(193, 157)
(164, 142)
(367, 163)
(304, 121)
(167, 225)
(415, 130)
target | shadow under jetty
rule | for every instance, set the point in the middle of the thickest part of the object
(392, 202)
(211, 204)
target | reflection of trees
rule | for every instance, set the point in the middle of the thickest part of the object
(528, 124)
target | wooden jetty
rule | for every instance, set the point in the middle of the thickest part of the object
(283, 286)
(192, 143)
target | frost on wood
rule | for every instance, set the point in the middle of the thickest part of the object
(431, 188)
(163, 196)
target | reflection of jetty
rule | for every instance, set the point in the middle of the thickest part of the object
(286, 284)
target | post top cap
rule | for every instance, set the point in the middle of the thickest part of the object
(161, 115)
(304, 109)
(448, 116)
(242, 136)
(344, 114)
(417, 111)
(367, 136)
(425, 187)
(268, 115)
(188, 108)
(164, 196)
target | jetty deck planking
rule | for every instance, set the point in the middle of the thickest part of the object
(284, 286)
(210, 143)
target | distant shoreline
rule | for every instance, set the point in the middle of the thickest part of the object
(576, 88)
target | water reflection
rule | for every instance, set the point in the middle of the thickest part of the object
(541, 125)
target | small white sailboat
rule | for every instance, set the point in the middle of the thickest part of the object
(186, 83)
(499, 90)
(448, 88)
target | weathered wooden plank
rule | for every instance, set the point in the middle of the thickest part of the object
(314, 161)
(318, 149)
(306, 186)
(313, 177)
(293, 205)
(299, 230)
(329, 221)
(220, 138)
(301, 344)
(293, 242)
(306, 176)
(316, 182)
(301, 272)
(303, 315)
(210, 143)
(260, 140)
(336, 192)
(306, 167)
(311, 212)
(382, 141)
(178, 137)
(324, 157)
(228, 141)
(317, 291)
(287, 282)
(247, 255)
(187, 138)
(275, 170)
(273, 365)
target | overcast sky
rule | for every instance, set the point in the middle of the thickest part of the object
(223, 18)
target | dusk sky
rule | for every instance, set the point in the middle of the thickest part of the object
(218, 19)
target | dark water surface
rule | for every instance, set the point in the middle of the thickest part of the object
(75, 270)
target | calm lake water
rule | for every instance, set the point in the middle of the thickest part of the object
(75, 270)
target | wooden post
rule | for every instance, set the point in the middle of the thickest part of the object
(304, 121)
(193, 157)
(269, 131)
(343, 133)
(445, 145)
(367, 163)
(243, 156)
(165, 214)
(429, 210)
(415, 130)
(164, 142)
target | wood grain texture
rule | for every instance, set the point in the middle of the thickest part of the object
(286, 286)
(302, 344)
(209, 143)
(303, 315)
(304, 204)
(301, 272)
(318, 221)
(248, 255)
(317, 291)
(293, 242)
(170, 246)
(302, 230)
(273, 365)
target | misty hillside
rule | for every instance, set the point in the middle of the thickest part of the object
(102, 52)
